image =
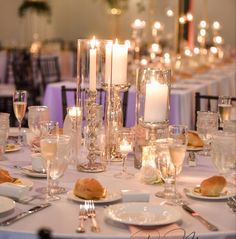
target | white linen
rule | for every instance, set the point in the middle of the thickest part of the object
(62, 216)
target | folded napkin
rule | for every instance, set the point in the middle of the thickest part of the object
(155, 232)
(134, 196)
(16, 191)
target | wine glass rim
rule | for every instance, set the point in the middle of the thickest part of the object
(38, 107)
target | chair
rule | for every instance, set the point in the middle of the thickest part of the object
(7, 107)
(23, 75)
(208, 100)
(50, 69)
(64, 91)
(101, 99)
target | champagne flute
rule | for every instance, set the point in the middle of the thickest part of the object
(55, 152)
(177, 148)
(125, 141)
(19, 107)
(224, 106)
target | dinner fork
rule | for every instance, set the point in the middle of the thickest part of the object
(232, 203)
(89, 205)
(82, 217)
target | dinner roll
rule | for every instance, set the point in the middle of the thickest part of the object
(213, 186)
(5, 176)
(89, 188)
(194, 139)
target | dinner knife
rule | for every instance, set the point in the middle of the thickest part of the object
(210, 226)
(24, 214)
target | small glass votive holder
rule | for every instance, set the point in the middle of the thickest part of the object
(3, 136)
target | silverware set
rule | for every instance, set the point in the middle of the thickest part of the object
(232, 203)
(87, 211)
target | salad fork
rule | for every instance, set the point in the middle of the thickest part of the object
(82, 217)
(232, 203)
(89, 205)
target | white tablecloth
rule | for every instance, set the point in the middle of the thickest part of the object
(62, 216)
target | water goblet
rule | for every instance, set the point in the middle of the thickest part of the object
(224, 152)
(207, 125)
(125, 142)
(55, 152)
(177, 148)
(19, 107)
(224, 107)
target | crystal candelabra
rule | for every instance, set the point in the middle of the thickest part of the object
(114, 119)
(91, 165)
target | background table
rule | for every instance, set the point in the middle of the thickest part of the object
(62, 216)
(182, 102)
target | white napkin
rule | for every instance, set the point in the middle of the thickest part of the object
(16, 191)
(134, 196)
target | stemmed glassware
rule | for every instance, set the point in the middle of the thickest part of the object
(166, 169)
(19, 106)
(125, 142)
(207, 125)
(55, 152)
(177, 148)
(224, 106)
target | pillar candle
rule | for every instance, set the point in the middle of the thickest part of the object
(92, 69)
(156, 102)
(108, 63)
(119, 64)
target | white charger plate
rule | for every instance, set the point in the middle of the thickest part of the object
(27, 170)
(110, 197)
(228, 192)
(142, 214)
(6, 204)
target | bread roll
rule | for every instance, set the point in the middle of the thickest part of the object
(213, 186)
(194, 139)
(5, 176)
(89, 188)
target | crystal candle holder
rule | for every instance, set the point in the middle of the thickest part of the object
(153, 100)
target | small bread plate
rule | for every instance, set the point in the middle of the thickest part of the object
(142, 214)
(228, 192)
(193, 148)
(110, 197)
(6, 204)
(26, 182)
(27, 170)
(12, 148)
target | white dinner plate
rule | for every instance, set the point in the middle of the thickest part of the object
(110, 197)
(229, 191)
(12, 148)
(142, 214)
(6, 204)
(27, 170)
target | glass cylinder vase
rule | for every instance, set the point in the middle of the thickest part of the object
(153, 101)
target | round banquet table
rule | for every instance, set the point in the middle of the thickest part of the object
(62, 216)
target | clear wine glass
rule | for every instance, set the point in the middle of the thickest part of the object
(166, 169)
(55, 152)
(19, 107)
(125, 142)
(224, 107)
(36, 115)
(177, 148)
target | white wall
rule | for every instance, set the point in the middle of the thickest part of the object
(72, 19)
